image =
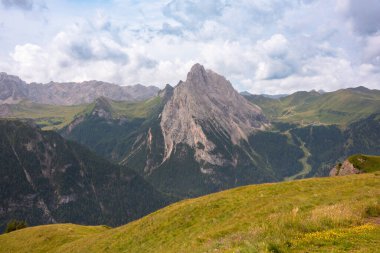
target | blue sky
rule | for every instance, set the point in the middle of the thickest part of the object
(263, 46)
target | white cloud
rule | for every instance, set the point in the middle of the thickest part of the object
(372, 50)
(264, 46)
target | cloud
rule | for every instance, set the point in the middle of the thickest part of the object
(22, 4)
(192, 14)
(372, 50)
(264, 46)
(364, 15)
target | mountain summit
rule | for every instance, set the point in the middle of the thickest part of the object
(207, 102)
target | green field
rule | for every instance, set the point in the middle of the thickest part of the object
(338, 214)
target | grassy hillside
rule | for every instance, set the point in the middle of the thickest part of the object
(53, 117)
(47, 238)
(338, 107)
(365, 163)
(46, 179)
(123, 109)
(49, 117)
(315, 215)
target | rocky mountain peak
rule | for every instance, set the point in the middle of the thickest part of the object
(12, 89)
(166, 92)
(102, 108)
(206, 104)
(200, 78)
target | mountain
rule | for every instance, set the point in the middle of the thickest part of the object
(246, 93)
(46, 179)
(14, 90)
(202, 136)
(207, 106)
(198, 137)
(339, 107)
(334, 214)
(357, 164)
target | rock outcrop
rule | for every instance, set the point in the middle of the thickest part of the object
(343, 169)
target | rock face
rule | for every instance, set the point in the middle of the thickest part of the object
(207, 100)
(45, 179)
(13, 89)
(346, 168)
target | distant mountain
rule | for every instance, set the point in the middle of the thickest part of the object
(46, 179)
(246, 93)
(339, 107)
(14, 90)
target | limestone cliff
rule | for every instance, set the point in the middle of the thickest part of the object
(207, 100)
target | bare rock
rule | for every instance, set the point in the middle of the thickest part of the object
(346, 168)
(207, 98)
(13, 90)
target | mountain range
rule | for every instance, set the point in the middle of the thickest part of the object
(13, 90)
(196, 138)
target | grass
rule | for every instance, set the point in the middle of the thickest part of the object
(49, 117)
(55, 117)
(134, 110)
(365, 163)
(124, 109)
(340, 107)
(46, 238)
(312, 215)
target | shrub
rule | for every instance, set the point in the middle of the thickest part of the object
(15, 225)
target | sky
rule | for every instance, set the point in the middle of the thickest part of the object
(261, 46)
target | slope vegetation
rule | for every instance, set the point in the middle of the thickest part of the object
(46, 179)
(365, 163)
(338, 107)
(48, 117)
(338, 214)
